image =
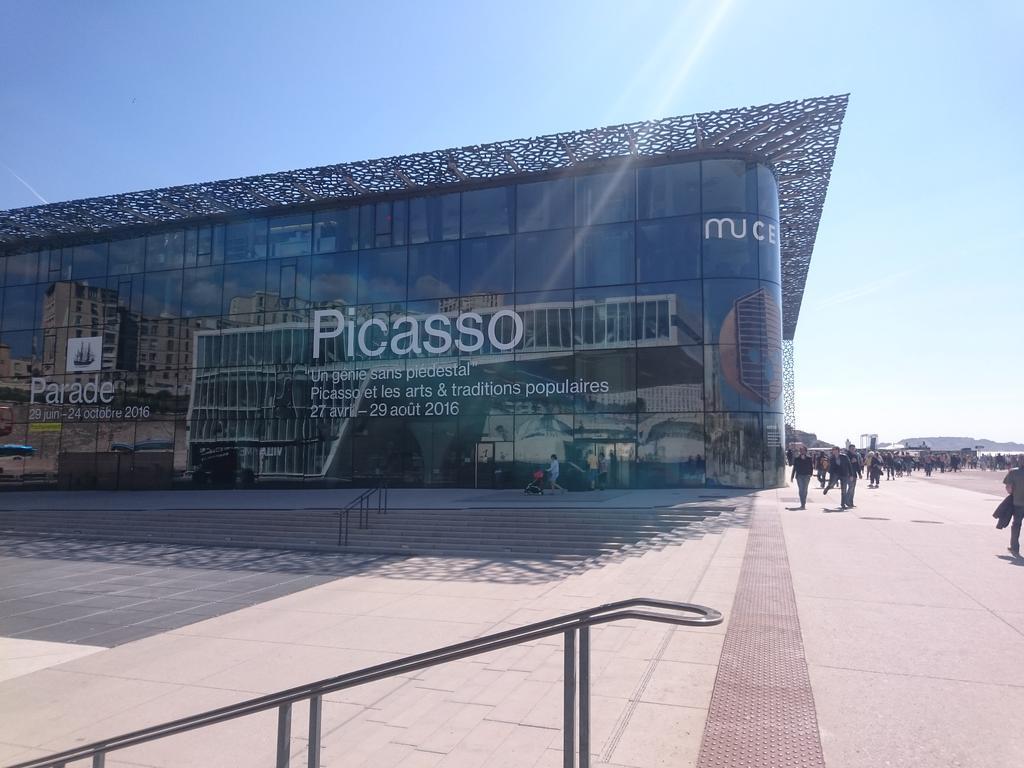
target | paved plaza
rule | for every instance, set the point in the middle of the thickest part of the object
(902, 628)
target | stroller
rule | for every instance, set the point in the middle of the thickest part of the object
(535, 486)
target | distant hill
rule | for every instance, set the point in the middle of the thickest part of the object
(956, 443)
(794, 435)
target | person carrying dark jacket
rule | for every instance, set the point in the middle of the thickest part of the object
(839, 471)
(1014, 482)
(855, 470)
(803, 468)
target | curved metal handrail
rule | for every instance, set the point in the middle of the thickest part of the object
(687, 614)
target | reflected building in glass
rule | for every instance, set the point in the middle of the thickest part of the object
(618, 298)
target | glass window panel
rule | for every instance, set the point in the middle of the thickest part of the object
(336, 230)
(291, 235)
(723, 300)
(201, 291)
(246, 240)
(434, 218)
(245, 288)
(23, 307)
(670, 453)
(127, 256)
(488, 265)
(670, 379)
(23, 268)
(544, 260)
(89, 261)
(668, 249)
(605, 255)
(735, 448)
(382, 275)
(400, 222)
(333, 279)
(669, 313)
(540, 370)
(162, 297)
(57, 266)
(743, 377)
(668, 190)
(165, 250)
(730, 246)
(767, 193)
(544, 205)
(606, 197)
(774, 452)
(610, 377)
(488, 212)
(433, 270)
(367, 235)
(728, 185)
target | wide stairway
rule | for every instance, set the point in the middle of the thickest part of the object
(527, 531)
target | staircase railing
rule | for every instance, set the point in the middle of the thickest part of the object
(362, 504)
(575, 628)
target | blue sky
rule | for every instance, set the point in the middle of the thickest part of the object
(913, 313)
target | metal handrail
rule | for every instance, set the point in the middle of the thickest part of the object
(569, 625)
(363, 502)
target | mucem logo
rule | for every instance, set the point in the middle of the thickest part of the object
(737, 229)
(85, 354)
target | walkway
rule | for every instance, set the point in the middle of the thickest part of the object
(908, 627)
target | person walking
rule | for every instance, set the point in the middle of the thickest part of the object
(874, 472)
(822, 469)
(839, 471)
(592, 469)
(602, 471)
(855, 470)
(803, 468)
(1014, 482)
(553, 470)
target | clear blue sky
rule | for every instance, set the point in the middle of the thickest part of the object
(913, 316)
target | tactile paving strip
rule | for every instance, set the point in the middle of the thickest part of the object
(762, 711)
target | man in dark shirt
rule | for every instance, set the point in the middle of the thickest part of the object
(855, 470)
(1014, 482)
(803, 468)
(839, 471)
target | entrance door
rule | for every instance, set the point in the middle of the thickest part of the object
(483, 473)
(617, 462)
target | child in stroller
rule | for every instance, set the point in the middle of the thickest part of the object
(536, 486)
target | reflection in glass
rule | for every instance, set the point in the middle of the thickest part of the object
(23, 307)
(245, 288)
(669, 313)
(165, 250)
(488, 212)
(544, 205)
(668, 249)
(201, 291)
(668, 190)
(767, 193)
(89, 261)
(290, 235)
(382, 275)
(433, 270)
(245, 240)
(127, 256)
(605, 317)
(730, 246)
(728, 185)
(544, 260)
(605, 255)
(605, 197)
(434, 218)
(333, 279)
(670, 453)
(670, 379)
(22, 268)
(743, 378)
(609, 378)
(336, 230)
(488, 265)
(721, 303)
(735, 448)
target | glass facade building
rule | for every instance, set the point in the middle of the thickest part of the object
(626, 314)
(638, 319)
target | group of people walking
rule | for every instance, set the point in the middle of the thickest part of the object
(843, 468)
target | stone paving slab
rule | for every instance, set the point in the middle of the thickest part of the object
(500, 709)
